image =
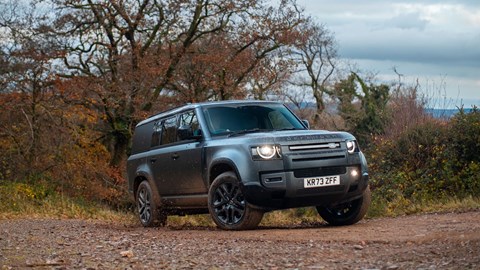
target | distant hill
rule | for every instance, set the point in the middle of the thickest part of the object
(437, 113)
(445, 113)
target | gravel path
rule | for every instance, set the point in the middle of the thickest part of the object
(433, 241)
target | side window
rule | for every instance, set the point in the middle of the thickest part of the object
(165, 130)
(189, 119)
(169, 131)
(157, 134)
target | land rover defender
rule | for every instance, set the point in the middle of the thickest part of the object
(239, 159)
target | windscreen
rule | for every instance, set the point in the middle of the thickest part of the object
(228, 119)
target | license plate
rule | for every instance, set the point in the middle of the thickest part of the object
(323, 181)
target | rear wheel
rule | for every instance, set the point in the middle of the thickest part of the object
(148, 208)
(346, 213)
(228, 207)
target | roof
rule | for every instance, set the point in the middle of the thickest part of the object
(191, 106)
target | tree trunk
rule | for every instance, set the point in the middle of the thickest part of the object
(320, 107)
(120, 146)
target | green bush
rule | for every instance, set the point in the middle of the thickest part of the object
(428, 162)
(464, 135)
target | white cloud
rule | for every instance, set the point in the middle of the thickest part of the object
(411, 20)
(427, 39)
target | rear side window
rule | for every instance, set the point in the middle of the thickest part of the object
(165, 130)
(169, 131)
(157, 134)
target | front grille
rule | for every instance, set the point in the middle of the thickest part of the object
(307, 147)
(321, 171)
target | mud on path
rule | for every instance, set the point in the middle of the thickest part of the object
(432, 241)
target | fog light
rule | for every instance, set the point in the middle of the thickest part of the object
(354, 173)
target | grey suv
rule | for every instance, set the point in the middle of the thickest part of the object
(240, 159)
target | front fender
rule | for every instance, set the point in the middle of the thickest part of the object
(237, 158)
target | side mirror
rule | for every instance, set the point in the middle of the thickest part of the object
(306, 124)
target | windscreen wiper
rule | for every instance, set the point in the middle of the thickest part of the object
(245, 131)
(290, 128)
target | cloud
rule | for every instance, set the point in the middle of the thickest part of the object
(410, 20)
(423, 38)
(410, 45)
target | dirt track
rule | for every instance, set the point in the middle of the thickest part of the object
(433, 241)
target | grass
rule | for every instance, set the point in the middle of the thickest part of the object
(291, 217)
(403, 206)
(19, 200)
(66, 208)
(281, 218)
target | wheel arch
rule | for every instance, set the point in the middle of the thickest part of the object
(141, 176)
(236, 158)
(220, 166)
(136, 182)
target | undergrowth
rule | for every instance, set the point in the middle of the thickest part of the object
(400, 206)
(21, 200)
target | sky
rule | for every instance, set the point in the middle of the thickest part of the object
(434, 42)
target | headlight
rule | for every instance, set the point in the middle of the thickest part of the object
(266, 152)
(351, 146)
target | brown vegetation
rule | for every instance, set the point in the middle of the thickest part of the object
(74, 82)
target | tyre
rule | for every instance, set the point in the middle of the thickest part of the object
(148, 206)
(347, 213)
(228, 207)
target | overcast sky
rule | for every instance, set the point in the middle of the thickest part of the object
(437, 42)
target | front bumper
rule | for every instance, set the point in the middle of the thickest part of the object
(280, 190)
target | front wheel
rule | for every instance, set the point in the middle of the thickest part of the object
(228, 207)
(148, 209)
(347, 213)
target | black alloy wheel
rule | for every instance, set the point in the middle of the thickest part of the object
(347, 213)
(228, 207)
(149, 212)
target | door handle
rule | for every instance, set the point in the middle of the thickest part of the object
(175, 156)
(152, 160)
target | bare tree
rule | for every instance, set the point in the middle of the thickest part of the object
(249, 59)
(26, 74)
(317, 59)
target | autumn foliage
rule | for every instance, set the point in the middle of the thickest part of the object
(75, 81)
(76, 76)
